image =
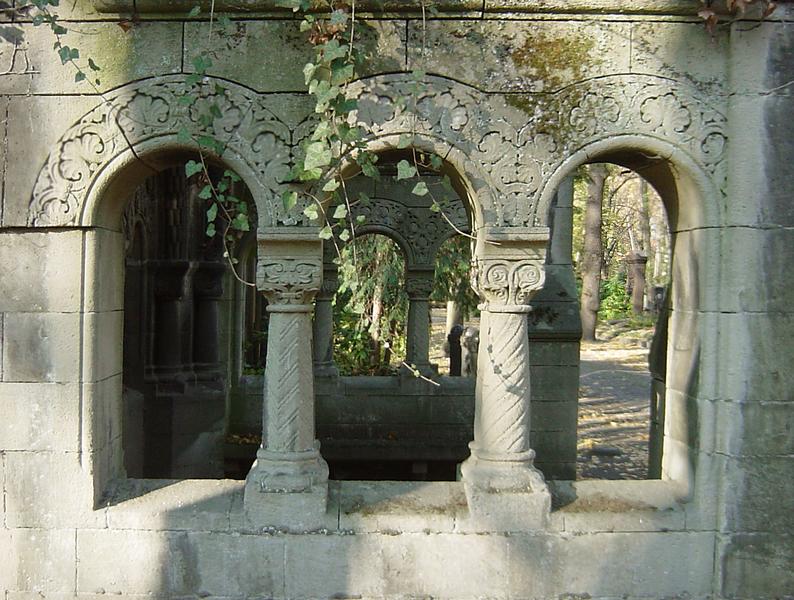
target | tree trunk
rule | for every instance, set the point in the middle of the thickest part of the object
(645, 237)
(592, 253)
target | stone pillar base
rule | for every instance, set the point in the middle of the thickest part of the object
(505, 494)
(287, 489)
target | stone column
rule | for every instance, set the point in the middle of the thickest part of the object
(419, 285)
(323, 331)
(288, 483)
(500, 467)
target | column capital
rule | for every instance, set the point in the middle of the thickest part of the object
(418, 286)
(290, 282)
(507, 285)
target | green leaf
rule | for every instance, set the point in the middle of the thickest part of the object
(210, 142)
(405, 170)
(360, 219)
(186, 100)
(344, 235)
(206, 192)
(305, 25)
(289, 198)
(64, 54)
(436, 162)
(211, 230)
(74, 53)
(341, 74)
(333, 50)
(212, 212)
(192, 167)
(202, 63)
(331, 186)
(311, 211)
(404, 141)
(240, 222)
(323, 131)
(79, 76)
(222, 186)
(340, 212)
(58, 29)
(364, 199)
(338, 17)
(420, 189)
(183, 136)
(194, 12)
(310, 174)
(318, 154)
(326, 233)
(231, 175)
(308, 72)
(192, 79)
(435, 207)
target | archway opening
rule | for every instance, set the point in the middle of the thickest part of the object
(178, 348)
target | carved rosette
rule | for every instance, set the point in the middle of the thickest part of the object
(289, 281)
(505, 285)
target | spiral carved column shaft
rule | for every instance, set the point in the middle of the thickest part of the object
(501, 456)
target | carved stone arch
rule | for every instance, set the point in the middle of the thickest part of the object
(394, 235)
(147, 117)
(454, 121)
(625, 113)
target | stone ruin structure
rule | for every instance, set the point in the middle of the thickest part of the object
(517, 95)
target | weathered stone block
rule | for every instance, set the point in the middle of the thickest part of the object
(756, 429)
(41, 347)
(39, 416)
(34, 125)
(334, 565)
(49, 489)
(757, 370)
(474, 566)
(757, 565)
(41, 271)
(756, 270)
(102, 413)
(400, 506)
(630, 564)
(145, 50)
(175, 505)
(518, 56)
(554, 384)
(104, 270)
(278, 43)
(102, 333)
(680, 51)
(758, 487)
(43, 560)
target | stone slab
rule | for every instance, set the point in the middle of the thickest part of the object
(49, 489)
(41, 347)
(682, 52)
(102, 333)
(143, 50)
(518, 56)
(102, 413)
(43, 560)
(757, 566)
(273, 44)
(39, 416)
(34, 125)
(42, 271)
(104, 270)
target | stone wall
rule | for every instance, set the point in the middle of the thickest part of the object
(522, 93)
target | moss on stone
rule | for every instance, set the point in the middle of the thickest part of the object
(547, 58)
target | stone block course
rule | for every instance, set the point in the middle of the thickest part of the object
(510, 60)
(41, 271)
(41, 347)
(43, 560)
(756, 565)
(39, 416)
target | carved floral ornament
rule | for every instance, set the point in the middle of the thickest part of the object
(418, 286)
(289, 280)
(507, 283)
(511, 144)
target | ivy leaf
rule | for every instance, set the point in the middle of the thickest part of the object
(192, 167)
(310, 174)
(64, 54)
(326, 233)
(308, 72)
(341, 74)
(311, 211)
(333, 50)
(323, 131)
(405, 170)
(344, 235)
(183, 136)
(202, 63)
(404, 141)
(338, 17)
(240, 222)
(331, 186)
(206, 192)
(211, 230)
(420, 189)
(187, 100)
(194, 12)
(79, 76)
(436, 162)
(435, 207)
(58, 29)
(340, 212)
(210, 142)
(318, 154)
(360, 219)
(234, 177)
(212, 212)
(289, 198)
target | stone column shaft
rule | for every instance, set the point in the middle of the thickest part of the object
(419, 286)
(323, 327)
